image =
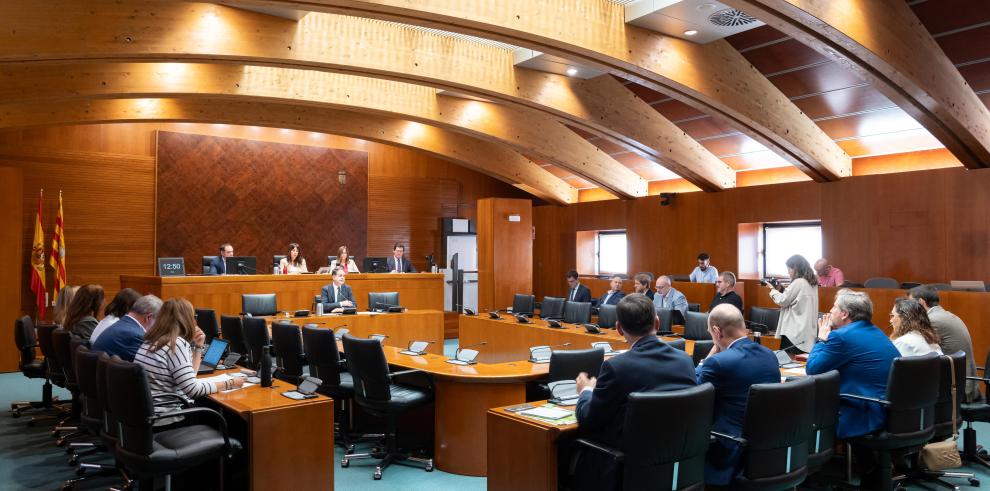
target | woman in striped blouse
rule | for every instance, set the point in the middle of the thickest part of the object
(171, 354)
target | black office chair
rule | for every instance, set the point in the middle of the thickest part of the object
(375, 390)
(26, 341)
(679, 343)
(289, 357)
(259, 304)
(976, 411)
(686, 278)
(696, 325)
(912, 390)
(206, 319)
(607, 316)
(232, 330)
(775, 442)
(64, 343)
(567, 364)
(382, 300)
(577, 312)
(654, 454)
(701, 349)
(552, 308)
(277, 259)
(523, 304)
(149, 453)
(666, 321)
(694, 307)
(255, 338)
(881, 282)
(325, 363)
(207, 269)
(821, 444)
(91, 420)
(763, 320)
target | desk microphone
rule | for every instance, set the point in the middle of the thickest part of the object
(243, 268)
(541, 354)
(494, 315)
(379, 337)
(469, 354)
(416, 348)
(751, 325)
(387, 307)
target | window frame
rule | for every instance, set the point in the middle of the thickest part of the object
(797, 224)
(598, 264)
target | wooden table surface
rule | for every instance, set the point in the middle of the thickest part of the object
(401, 327)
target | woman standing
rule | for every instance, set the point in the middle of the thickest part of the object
(345, 261)
(911, 330)
(293, 263)
(86, 304)
(798, 304)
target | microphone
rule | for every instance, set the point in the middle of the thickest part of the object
(752, 325)
(379, 337)
(494, 315)
(541, 354)
(469, 354)
(416, 348)
(243, 268)
(386, 307)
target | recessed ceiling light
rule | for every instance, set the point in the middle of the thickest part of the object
(690, 32)
(572, 71)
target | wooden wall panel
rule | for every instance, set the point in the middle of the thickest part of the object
(11, 254)
(259, 196)
(505, 251)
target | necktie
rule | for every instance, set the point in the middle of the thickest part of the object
(398, 265)
(573, 293)
(223, 265)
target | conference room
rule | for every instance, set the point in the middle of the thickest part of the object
(417, 245)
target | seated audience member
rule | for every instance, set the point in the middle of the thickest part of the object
(398, 263)
(171, 354)
(62, 302)
(952, 333)
(576, 291)
(293, 262)
(337, 296)
(125, 336)
(218, 264)
(862, 354)
(725, 291)
(911, 331)
(86, 304)
(641, 284)
(798, 304)
(704, 272)
(345, 261)
(667, 297)
(734, 364)
(649, 365)
(828, 275)
(116, 309)
(614, 294)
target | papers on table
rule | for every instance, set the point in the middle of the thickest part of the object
(794, 372)
(551, 414)
(223, 377)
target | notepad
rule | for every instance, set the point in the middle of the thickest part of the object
(547, 412)
(798, 372)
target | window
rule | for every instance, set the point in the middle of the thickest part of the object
(783, 240)
(610, 252)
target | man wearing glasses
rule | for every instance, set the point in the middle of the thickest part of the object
(124, 337)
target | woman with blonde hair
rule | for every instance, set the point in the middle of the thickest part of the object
(911, 330)
(62, 302)
(171, 354)
(345, 261)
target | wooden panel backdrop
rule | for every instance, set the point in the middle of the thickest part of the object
(259, 196)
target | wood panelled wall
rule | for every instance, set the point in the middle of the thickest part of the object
(107, 175)
(925, 226)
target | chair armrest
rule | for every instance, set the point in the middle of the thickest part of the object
(615, 454)
(738, 439)
(426, 376)
(200, 410)
(867, 399)
(177, 398)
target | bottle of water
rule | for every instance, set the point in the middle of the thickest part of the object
(319, 308)
(266, 367)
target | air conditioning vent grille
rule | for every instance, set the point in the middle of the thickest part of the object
(730, 18)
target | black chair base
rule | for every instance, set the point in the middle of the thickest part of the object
(386, 459)
(970, 453)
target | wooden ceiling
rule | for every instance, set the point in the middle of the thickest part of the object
(699, 116)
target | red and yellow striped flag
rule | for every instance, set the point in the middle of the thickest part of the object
(38, 262)
(56, 258)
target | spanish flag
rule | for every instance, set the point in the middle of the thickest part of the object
(56, 258)
(38, 262)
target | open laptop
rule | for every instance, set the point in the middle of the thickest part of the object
(784, 360)
(212, 356)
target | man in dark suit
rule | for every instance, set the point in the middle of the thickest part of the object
(398, 263)
(734, 364)
(124, 337)
(217, 264)
(337, 296)
(649, 365)
(614, 294)
(642, 284)
(576, 292)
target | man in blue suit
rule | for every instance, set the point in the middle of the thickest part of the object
(649, 365)
(576, 291)
(614, 294)
(862, 353)
(337, 296)
(733, 365)
(124, 337)
(217, 265)
(398, 263)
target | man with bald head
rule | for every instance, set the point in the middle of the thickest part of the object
(667, 297)
(734, 364)
(828, 275)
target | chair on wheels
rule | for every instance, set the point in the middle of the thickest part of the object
(696, 325)
(701, 349)
(821, 443)
(376, 390)
(259, 304)
(607, 316)
(256, 337)
(694, 307)
(206, 319)
(65, 344)
(325, 363)
(26, 341)
(912, 390)
(565, 365)
(775, 443)
(763, 320)
(523, 304)
(882, 282)
(973, 412)
(232, 330)
(577, 312)
(653, 454)
(552, 308)
(149, 453)
(666, 321)
(289, 358)
(91, 419)
(55, 374)
(383, 300)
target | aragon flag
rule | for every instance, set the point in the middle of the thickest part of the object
(56, 258)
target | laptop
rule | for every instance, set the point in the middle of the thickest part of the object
(212, 356)
(784, 360)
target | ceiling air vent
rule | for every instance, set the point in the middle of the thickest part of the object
(730, 18)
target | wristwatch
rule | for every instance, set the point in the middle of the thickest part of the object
(199, 349)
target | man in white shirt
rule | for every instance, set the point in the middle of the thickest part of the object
(704, 272)
(337, 296)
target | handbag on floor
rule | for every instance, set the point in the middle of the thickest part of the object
(944, 454)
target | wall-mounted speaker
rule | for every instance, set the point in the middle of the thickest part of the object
(667, 199)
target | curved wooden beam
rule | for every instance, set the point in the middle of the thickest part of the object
(528, 131)
(713, 78)
(885, 43)
(488, 158)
